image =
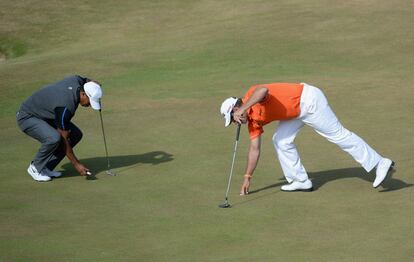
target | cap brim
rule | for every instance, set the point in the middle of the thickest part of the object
(96, 105)
(227, 120)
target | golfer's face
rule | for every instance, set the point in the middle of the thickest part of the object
(84, 100)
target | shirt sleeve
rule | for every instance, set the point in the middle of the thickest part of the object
(255, 130)
(62, 117)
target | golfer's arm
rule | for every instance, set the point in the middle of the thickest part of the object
(68, 148)
(258, 95)
(253, 155)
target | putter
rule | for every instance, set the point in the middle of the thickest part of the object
(226, 201)
(108, 171)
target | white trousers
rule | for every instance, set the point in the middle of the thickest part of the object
(316, 113)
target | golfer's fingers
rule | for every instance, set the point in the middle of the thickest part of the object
(85, 171)
(244, 190)
(236, 118)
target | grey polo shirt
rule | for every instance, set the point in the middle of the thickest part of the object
(56, 102)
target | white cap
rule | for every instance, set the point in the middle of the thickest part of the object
(94, 92)
(226, 108)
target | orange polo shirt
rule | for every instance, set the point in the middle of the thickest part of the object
(281, 103)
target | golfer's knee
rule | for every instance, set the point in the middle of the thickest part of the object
(78, 136)
(75, 137)
(282, 143)
(53, 140)
(340, 136)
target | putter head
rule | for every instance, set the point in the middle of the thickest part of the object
(110, 173)
(225, 205)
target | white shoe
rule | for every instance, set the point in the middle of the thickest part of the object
(298, 186)
(384, 167)
(36, 175)
(51, 173)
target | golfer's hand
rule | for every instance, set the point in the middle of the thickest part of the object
(239, 116)
(81, 169)
(245, 187)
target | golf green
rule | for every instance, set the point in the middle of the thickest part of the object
(165, 68)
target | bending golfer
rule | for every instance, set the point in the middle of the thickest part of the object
(295, 105)
(46, 116)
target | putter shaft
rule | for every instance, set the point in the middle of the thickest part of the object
(108, 172)
(226, 204)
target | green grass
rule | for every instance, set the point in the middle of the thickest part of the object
(11, 49)
(165, 67)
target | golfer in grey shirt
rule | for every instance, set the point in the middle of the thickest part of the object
(46, 116)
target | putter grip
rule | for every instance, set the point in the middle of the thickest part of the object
(238, 132)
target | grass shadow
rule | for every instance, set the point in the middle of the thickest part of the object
(321, 178)
(121, 163)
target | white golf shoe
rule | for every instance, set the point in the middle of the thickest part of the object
(38, 176)
(298, 186)
(51, 173)
(384, 167)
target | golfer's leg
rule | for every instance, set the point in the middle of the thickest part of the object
(75, 135)
(286, 150)
(46, 135)
(325, 122)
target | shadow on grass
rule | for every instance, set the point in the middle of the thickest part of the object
(321, 178)
(121, 163)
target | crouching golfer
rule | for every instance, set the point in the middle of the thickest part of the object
(46, 116)
(295, 105)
